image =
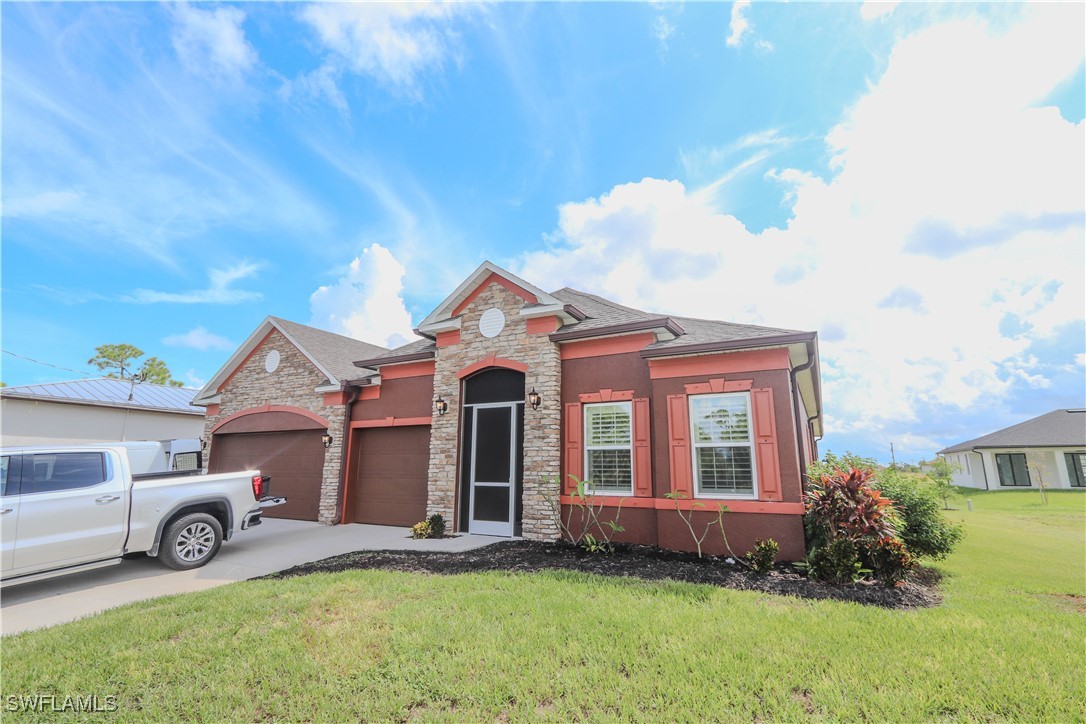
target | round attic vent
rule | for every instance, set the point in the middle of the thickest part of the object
(492, 322)
(271, 362)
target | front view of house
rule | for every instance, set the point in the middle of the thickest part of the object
(510, 396)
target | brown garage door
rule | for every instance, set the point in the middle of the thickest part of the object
(294, 459)
(390, 486)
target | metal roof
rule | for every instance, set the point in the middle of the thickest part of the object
(1059, 428)
(109, 392)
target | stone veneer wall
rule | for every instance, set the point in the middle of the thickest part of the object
(291, 384)
(542, 427)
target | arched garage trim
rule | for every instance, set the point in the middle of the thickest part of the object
(288, 418)
(491, 361)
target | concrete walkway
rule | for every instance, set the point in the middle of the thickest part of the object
(273, 546)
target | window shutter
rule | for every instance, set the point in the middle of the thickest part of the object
(765, 443)
(574, 446)
(678, 429)
(642, 457)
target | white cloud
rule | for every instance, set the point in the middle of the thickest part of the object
(872, 9)
(394, 43)
(367, 302)
(41, 204)
(219, 289)
(948, 136)
(212, 42)
(740, 29)
(199, 338)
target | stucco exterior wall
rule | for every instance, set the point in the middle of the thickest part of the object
(38, 422)
(291, 384)
(542, 439)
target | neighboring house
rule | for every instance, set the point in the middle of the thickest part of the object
(1049, 449)
(96, 410)
(510, 392)
(271, 407)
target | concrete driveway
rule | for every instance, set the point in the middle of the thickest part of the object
(273, 546)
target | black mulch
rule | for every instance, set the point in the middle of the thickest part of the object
(645, 562)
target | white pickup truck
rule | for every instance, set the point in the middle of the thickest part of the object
(70, 509)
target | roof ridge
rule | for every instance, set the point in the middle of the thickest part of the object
(608, 302)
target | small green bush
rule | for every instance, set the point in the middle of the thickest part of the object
(421, 530)
(763, 556)
(889, 560)
(437, 526)
(835, 562)
(925, 530)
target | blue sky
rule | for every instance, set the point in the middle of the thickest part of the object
(908, 180)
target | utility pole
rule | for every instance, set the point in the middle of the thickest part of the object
(893, 461)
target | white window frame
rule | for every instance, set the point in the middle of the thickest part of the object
(588, 446)
(749, 444)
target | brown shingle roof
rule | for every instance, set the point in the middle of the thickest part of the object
(335, 352)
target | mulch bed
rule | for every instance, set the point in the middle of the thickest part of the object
(645, 562)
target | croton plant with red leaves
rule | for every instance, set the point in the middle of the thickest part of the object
(844, 505)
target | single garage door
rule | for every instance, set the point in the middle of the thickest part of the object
(392, 469)
(294, 459)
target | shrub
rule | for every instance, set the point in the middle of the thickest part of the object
(843, 505)
(421, 530)
(763, 556)
(437, 526)
(835, 562)
(889, 559)
(924, 529)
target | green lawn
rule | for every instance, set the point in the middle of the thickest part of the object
(1007, 644)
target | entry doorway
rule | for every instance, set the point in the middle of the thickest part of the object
(492, 457)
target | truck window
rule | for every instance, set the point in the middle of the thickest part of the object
(5, 464)
(187, 460)
(51, 472)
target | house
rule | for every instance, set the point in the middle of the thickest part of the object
(512, 393)
(279, 405)
(1050, 449)
(97, 410)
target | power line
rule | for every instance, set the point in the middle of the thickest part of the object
(47, 364)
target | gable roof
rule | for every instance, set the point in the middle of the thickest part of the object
(109, 392)
(332, 354)
(1059, 428)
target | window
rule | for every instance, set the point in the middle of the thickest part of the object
(187, 460)
(608, 449)
(723, 445)
(967, 470)
(1012, 469)
(51, 472)
(5, 465)
(1076, 468)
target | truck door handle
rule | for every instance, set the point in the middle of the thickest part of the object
(5, 511)
(106, 499)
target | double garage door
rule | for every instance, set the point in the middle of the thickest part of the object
(388, 485)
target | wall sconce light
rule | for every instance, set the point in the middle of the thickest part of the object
(534, 399)
(327, 439)
(441, 406)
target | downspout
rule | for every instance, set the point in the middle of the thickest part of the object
(795, 412)
(341, 508)
(983, 467)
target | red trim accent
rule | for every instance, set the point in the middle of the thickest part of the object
(491, 361)
(607, 396)
(708, 505)
(211, 410)
(500, 281)
(411, 369)
(642, 455)
(335, 398)
(718, 384)
(574, 431)
(678, 430)
(543, 325)
(371, 392)
(348, 470)
(765, 444)
(606, 345)
(271, 408)
(391, 422)
(450, 338)
(729, 362)
(248, 357)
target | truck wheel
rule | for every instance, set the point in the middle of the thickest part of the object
(190, 541)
